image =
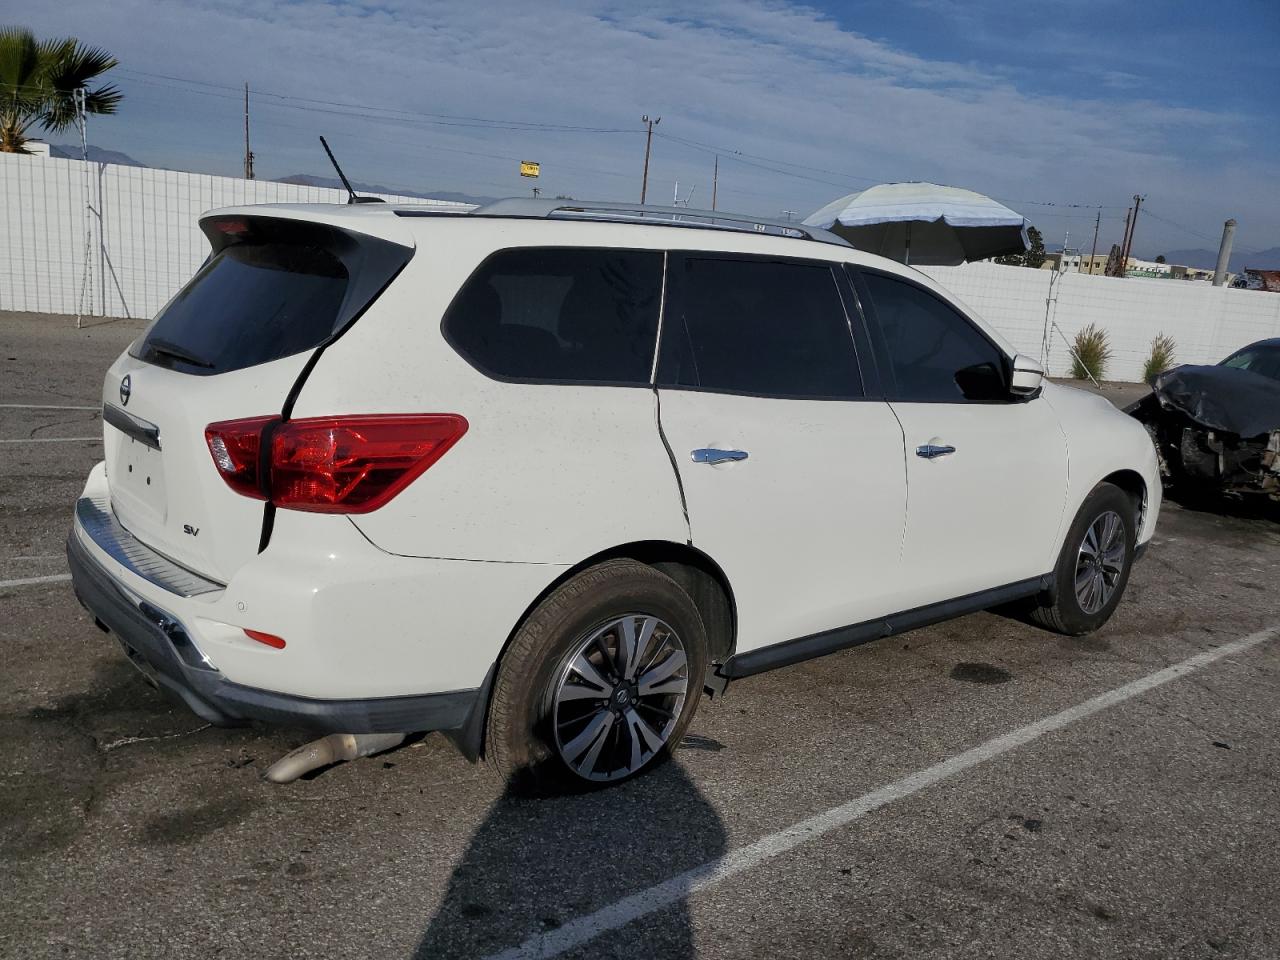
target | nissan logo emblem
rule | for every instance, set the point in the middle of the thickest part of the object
(126, 388)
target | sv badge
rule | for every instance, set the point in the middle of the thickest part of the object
(190, 530)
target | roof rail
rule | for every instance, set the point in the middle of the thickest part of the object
(539, 209)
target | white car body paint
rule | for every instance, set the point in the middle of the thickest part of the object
(832, 520)
(809, 527)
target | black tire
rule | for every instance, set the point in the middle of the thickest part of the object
(1065, 613)
(520, 742)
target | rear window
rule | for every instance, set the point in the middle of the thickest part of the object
(270, 289)
(560, 315)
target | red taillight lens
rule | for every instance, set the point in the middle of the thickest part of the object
(355, 464)
(236, 446)
(333, 464)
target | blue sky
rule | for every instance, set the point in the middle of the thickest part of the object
(1041, 105)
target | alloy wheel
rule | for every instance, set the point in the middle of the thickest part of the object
(619, 697)
(1100, 562)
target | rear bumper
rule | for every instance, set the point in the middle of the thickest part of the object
(161, 646)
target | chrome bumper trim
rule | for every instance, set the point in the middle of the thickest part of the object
(99, 524)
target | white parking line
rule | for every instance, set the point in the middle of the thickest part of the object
(55, 440)
(580, 931)
(28, 581)
(43, 406)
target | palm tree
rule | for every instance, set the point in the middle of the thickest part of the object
(38, 82)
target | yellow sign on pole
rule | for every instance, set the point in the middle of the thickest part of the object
(529, 169)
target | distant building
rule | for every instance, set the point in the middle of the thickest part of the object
(1147, 268)
(1073, 262)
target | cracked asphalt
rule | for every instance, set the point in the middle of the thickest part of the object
(130, 829)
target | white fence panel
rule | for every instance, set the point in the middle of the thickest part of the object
(111, 240)
(143, 243)
(1205, 321)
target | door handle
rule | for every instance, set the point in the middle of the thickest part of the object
(712, 455)
(931, 451)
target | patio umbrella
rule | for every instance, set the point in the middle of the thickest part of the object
(924, 224)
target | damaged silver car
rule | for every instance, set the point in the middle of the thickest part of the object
(1217, 428)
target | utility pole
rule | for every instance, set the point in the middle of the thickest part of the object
(248, 154)
(1096, 224)
(715, 182)
(1133, 227)
(1224, 253)
(1124, 243)
(648, 143)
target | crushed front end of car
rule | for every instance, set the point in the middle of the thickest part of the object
(1215, 427)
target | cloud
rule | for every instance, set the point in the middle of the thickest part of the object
(766, 78)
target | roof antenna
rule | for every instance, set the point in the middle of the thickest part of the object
(351, 194)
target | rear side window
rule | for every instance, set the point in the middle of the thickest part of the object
(566, 315)
(270, 289)
(764, 327)
(934, 353)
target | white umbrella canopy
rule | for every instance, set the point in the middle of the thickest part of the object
(924, 223)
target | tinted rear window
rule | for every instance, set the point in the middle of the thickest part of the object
(560, 315)
(248, 305)
(271, 289)
(772, 328)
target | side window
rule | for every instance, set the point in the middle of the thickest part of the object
(776, 328)
(935, 354)
(560, 314)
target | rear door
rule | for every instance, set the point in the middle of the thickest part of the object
(231, 344)
(792, 469)
(986, 472)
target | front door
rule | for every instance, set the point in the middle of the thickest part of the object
(986, 473)
(793, 478)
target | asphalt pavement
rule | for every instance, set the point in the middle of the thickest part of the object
(980, 788)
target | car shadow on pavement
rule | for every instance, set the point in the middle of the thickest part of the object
(535, 864)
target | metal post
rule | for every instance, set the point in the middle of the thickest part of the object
(648, 143)
(248, 154)
(715, 182)
(1096, 224)
(1133, 228)
(1224, 253)
(81, 122)
(1124, 243)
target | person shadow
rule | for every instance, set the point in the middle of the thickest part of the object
(537, 863)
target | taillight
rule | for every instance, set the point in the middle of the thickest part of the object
(349, 464)
(236, 446)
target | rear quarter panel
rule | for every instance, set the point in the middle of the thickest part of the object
(546, 473)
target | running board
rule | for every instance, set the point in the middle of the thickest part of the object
(820, 644)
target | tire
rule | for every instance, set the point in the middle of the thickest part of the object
(544, 708)
(1076, 612)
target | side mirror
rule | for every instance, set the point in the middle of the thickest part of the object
(1028, 377)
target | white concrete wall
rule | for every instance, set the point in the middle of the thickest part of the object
(152, 244)
(1207, 322)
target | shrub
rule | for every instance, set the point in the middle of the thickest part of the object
(1090, 353)
(1161, 357)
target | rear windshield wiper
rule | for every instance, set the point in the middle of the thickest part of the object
(163, 348)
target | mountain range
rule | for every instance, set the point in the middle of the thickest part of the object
(1208, 259)
(309, 180)
(67, 151)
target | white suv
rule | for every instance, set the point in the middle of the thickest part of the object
(541, 474)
